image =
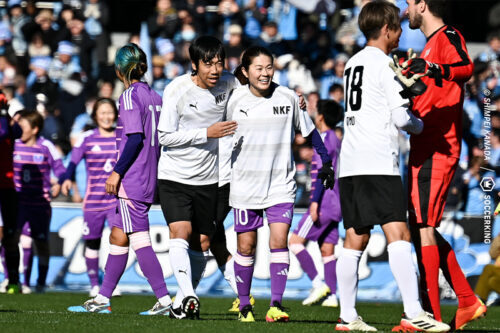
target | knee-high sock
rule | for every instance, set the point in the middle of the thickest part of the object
(243, 270)
(4, 263)
(330, 265)
(305, 260)
(280, 262)
(198, 264)
(181, 266)
(27, 246)
(454, 275)
(148, 261)
(401, 263)
(347, 279)
(92, 262)
(115, 266)
(228, 271)
(428, 266)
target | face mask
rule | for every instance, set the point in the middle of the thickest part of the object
(188, 35)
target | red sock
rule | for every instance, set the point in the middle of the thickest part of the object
(430, 263)
(459, 283)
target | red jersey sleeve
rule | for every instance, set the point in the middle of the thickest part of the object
(457, 65)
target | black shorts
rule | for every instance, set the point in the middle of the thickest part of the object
(9, 210)
(223, 209)
(194, 203)
(369, 200)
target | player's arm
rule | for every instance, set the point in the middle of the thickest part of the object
(406, 121)
(457, 66)
(77, 154)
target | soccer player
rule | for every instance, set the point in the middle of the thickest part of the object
(263, 173)
(189, 130)
(34, 158)
(320, 223)
(98, 147)
(434, 155)
(371, 190)
(133, 180)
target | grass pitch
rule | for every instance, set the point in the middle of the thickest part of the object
(47, 313)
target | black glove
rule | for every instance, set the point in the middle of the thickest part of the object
(327, 175)
(419, 66)
(412, 85)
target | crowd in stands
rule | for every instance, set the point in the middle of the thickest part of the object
(59, 60)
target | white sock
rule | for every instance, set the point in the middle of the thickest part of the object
(228, 271)
(317, 282)
(198, 261)
(165, 300)
(401, 263)
(347, 279)
(179, 297)
(101, 299)
(181, 266)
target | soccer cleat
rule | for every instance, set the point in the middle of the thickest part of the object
(236, 304)
(316, 295)
(91, 306)
(276, 313)
(25, 289)
(331, 301)
(177, 313)
(246, 314)
(355, 325)
(94, 291)
(157, 310)
(191, 307)
(424, 322)
(3, 286)
(465, 315)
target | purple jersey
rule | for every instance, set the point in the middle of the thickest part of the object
(32, 166)
(140, 108)
(330, 201)
(100, 159)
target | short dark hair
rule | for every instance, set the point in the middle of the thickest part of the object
(205, 48)
(375, 15)
(100, 101)
(247, 58)
(436, 7)
(34, 118)
(332, 112)
(335, 86)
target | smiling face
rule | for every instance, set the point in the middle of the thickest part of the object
(105, 116)
(209, 72)
(260, 74)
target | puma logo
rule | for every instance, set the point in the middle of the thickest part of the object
(183, 271)
(244, 111)
(194, 105)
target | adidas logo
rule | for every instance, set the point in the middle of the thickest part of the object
(287, 214)
(423, 324)
(96, 148)
(239, 279)
(283, 272)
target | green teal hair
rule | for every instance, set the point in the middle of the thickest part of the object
(131, 62)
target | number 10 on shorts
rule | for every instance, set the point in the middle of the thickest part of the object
(241, 217)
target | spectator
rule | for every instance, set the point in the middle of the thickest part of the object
(166, 49)
(272, 40)
(336, 93)
(40, 83)
(5, 38)
(492, 53)
(97, 17)
(37, 48)
(83, 44)
(165, 22)
(160, 81)
(333, 74)
(234, 46)
(42, 26)
(64, 63)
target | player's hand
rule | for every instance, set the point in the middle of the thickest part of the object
(327, 175)
(413, 86)
(313, 212)
(222, 128)
(419, 66)
(112, 183)
(302, 101)
(55, 189)
(66, 187)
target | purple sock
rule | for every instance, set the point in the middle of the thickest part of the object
(27, 264)
(331, 275)
(115, 266)
(243, 271)
(4, 263)
(280, 262)
(151, 268)
(307, 263)
(93, 270)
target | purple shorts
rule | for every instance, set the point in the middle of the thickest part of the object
(326, 231)
(131, 215)
(37, 217)
(93, 222)
(252, 219)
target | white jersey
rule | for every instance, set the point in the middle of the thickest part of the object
(370, 143)
(263, 167)
(189, 157)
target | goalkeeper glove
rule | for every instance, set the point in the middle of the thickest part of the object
(421, 66)
(327, 175)
(412, 86)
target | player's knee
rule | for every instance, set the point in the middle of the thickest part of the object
(327, 249)
(180, 230)
(93, 244)
(278, 241)
(118, 237)
(246, 248)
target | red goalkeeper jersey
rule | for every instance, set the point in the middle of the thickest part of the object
(440, 107)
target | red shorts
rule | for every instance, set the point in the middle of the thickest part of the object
(429, 181)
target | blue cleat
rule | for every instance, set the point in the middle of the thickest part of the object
(157, 310)
(91, 306)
